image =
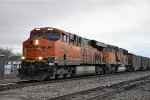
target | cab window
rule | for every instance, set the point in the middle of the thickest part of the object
(51, 36)
(64, 38)
(36, 34)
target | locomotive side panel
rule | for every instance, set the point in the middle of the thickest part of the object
(122, 56)
(109, 56)
(68, 51)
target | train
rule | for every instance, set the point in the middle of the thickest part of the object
(51, 53)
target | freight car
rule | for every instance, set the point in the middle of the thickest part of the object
(137, 62)
(53, 53)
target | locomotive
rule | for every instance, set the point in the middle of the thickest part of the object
(51, 53)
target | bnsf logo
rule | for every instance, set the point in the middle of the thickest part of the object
(38, 47)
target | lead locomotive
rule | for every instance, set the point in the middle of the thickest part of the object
(53, 53)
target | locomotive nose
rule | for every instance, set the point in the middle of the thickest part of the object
(37, 49)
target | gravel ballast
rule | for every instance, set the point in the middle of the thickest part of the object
(141, 92)
(47, 91)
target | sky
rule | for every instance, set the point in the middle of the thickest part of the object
(123, 23)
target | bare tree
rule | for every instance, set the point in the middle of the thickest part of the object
(7, 52)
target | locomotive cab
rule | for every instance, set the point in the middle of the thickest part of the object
(41, 45)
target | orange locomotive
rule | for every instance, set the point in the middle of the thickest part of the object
(54, 53)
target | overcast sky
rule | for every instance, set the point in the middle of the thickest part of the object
(124, 23)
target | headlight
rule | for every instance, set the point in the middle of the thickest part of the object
(37, 29)
(23, 57)
(40, 58)
(36, 42)
(49, 29)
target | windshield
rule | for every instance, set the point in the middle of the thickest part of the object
(51, 36)
(36, 34)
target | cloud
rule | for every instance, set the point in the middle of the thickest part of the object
(124, 23)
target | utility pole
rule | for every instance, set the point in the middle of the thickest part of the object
(2, 65)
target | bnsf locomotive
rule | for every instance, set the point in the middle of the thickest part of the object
(53, 53)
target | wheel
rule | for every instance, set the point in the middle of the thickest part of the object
(56, 76)
(104, 70)
(73, 74)
(47, 79)
(64, 75)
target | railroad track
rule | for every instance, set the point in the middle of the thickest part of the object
(101, 93)
(21, 84)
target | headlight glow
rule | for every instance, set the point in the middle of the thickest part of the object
(23, 57)
(36, 42)
(40, 58)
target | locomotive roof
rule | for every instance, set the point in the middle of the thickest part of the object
(84, 39)
(43, 28)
